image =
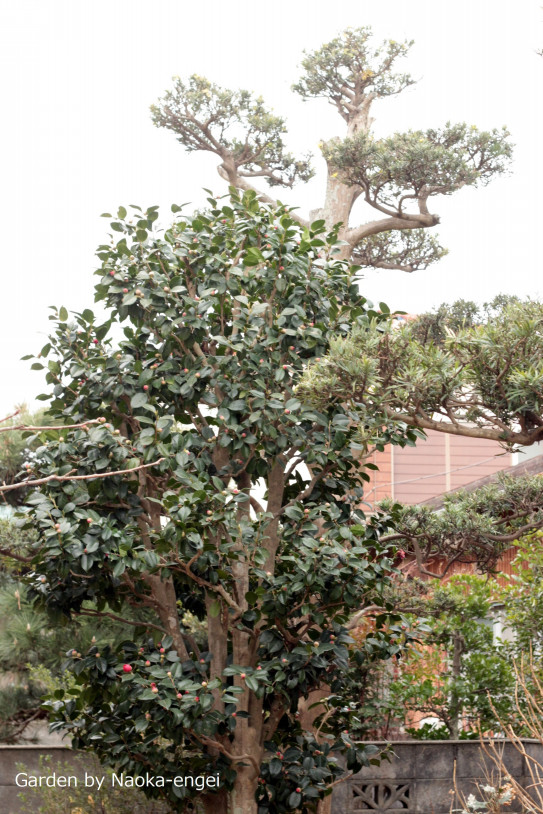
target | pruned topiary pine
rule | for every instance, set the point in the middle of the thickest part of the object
(396, 177)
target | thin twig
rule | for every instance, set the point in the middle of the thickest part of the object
(69, 476)
(27, 428)
(99, 614)
(7, 418)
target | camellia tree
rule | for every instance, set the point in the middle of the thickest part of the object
(233, 501)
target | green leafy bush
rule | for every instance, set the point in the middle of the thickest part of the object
(81, 800)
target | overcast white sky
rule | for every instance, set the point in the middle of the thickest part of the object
(77, 79)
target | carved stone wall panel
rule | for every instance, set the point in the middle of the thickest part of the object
(381, 796)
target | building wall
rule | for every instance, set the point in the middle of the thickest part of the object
(440, 463)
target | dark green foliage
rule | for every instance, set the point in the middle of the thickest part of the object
(219, 315)
(32, 645)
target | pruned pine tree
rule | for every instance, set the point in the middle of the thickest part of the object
(398, 177)
(481, 381)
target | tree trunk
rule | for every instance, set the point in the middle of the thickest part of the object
(458, 649)
(341, 196)
(337, 207)
(242, 797)
(325, 806)
(214, 803)
(217, 631)
(308, 715)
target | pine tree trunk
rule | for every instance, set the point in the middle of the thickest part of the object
(337, 208)
(340, 196)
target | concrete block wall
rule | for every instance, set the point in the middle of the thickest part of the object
(10, 756)
(421, 775)
(418, 779)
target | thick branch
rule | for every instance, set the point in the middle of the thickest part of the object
(507, 436)
(358, 233)
(5, 552)
(218, 589)
(230, 174)
(307, 491)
